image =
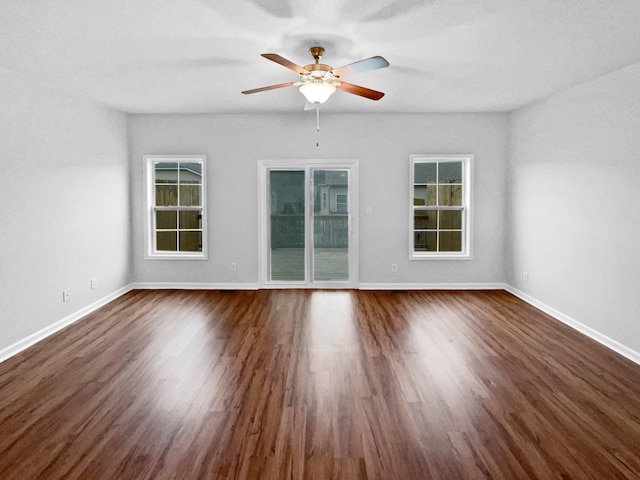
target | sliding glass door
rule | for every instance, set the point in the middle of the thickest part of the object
(287, 229)
(308, 234)
(330, 225)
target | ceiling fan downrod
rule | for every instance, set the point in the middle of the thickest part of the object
(316, 53)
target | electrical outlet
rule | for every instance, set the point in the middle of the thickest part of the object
(525, 276)
(394, 267)
(94, 283)
(66, 296)
(234, 266)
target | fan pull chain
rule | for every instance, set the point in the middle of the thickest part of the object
(318, 125)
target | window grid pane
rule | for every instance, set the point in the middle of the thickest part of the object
(190, 241)
(166, 219)
(450, 195)
(190, 173)
(179, 185)
(166, 195)
(166, 172)
(438, 206)
(166, 241)
(190, 195)
(425, 172)
(449, 172)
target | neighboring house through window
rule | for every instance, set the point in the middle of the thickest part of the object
(176, 207)
(341, 203)
(440, 214)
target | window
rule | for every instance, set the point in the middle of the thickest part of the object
(176, 203)
(440, 214)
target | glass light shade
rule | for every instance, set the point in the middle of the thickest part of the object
(317, 92)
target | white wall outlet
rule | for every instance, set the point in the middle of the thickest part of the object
(234, 266)
(94, 283)
(66, 296)
(394, 267)
(525, 276)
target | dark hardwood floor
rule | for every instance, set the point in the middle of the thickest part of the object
(319, 384)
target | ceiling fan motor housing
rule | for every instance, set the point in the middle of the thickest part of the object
(318, 71)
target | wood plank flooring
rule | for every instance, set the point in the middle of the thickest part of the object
(300, 384)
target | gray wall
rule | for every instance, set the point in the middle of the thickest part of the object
(556, 187)
(575, 204)
(65, 205)
(382, 143)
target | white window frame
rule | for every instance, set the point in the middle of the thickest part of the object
(151, 253)
(466, 252)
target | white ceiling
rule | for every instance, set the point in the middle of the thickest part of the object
(175, 56)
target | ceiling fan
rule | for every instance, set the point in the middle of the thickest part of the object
(319, 81)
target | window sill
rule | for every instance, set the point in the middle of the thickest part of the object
(447, 256)
(173, 256)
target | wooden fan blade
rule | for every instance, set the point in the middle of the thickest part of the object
(270, 87)
(372, 63)
(358, 90)
(274, 57)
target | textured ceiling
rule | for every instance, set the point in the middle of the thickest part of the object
(197, 55)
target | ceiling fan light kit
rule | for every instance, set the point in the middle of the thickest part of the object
(317, 91)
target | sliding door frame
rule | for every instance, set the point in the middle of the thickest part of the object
(264, 205)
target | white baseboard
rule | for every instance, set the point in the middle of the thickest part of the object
(576, 325)
(433, 286)
(193, 286)
(34, 338)
(361, 286)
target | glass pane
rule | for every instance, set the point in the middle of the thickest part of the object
(450, 195)
(166, 195)
(331, 225)
(425, 241)
(450, 172)
(190, 241)
(190, 220)
(190, 173)
(424, 172)
(341, 204)
(451, 219)
(432, 195)
(190, 195)
(425, 219)
(287, 225)
(424, 195)
(166, 172)
(166, 241)
(166, 220)
(450, 241)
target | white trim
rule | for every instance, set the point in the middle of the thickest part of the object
(602, 339)
(433, 286)
(36, 337)
(193, 286)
